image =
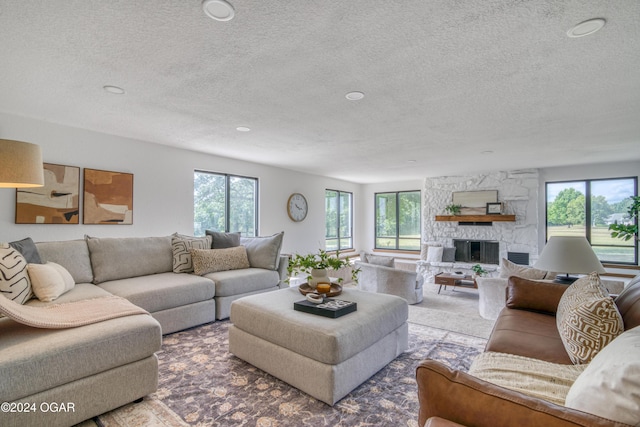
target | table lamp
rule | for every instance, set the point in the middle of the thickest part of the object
(20, 164)
(569, 254)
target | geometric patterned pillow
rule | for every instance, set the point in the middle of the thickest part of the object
(181, 245)
(14, 279)
(587, 319)
(212, 260)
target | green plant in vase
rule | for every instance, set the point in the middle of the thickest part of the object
(453, 209)
(478, 270)
(316, 265)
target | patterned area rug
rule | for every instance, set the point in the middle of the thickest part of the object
(207, 386)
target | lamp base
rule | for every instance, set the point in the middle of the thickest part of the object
(565, 280)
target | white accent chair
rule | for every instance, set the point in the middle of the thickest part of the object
(389, 280)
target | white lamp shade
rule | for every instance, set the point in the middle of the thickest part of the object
(571, 255)
(20, 164)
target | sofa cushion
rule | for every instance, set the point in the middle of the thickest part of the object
(162, 291)
(435, 254)
(180, 247)
(263, 252)
(628, 303)
(533, 377)
(79, 292)
(587, 319)
(73, 255)
(28, 250)
(116, 258)
(237, 282)
(212, 260)
(223, 240)
(610, 385)
(34, 359)
(509, 269)
(49, 280)
(14, 279)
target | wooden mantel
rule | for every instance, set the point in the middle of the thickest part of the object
(476, 218)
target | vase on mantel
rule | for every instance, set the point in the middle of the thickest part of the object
(318, 275)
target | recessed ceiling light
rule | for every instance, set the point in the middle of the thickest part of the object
(486, 152)
(219, 10)
(354, 96)
(587, 27)
(114, 89)
(411, 161)
(243, 129)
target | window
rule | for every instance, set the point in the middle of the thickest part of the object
(339, 220)
(225, 203)
(586, 208)
(398, 220)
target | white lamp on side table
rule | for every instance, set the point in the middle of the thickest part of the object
(569, 255)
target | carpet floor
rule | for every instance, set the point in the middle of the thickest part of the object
(202, 384)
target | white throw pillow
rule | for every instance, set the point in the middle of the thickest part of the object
(508, 269)
(435, 254)
(610, 385)
(49, 280)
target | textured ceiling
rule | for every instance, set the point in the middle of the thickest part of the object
(444, 81)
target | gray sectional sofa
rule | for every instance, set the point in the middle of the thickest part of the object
(102, 366)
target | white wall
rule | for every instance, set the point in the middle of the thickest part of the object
(163, 186)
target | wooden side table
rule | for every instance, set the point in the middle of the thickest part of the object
(453, 280)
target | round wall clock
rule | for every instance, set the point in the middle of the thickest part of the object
(297, 207)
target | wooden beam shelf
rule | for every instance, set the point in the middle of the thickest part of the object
(476, 218)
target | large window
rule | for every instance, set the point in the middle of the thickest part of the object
(225, 203)
(398, 220)
(339, 220)
(586, 208)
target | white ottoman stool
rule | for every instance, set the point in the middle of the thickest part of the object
(324, 357)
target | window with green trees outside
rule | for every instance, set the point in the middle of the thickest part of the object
(587, 208)
(339, 220)
(226, 203)
(398, 220)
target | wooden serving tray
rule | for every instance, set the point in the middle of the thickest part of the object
(335, 289)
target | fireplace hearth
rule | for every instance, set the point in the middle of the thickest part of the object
(477, 251)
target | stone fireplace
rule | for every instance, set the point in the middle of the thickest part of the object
(517, 190)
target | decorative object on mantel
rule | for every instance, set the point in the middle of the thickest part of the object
(629, 229)
(569, 254)
(20, 164)
(474, 202)
(494, 208)
(453, 209)
(108, 197)
(57, 202)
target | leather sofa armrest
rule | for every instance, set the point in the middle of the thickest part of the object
(534, 295)
(461, 398)
(441, 422)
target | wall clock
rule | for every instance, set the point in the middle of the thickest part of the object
(297, 207)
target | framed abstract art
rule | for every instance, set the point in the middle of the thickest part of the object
(57, 202)
(108, 197)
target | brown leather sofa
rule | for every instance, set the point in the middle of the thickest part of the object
(526, 327)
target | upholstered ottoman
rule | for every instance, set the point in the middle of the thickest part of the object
(324, 357)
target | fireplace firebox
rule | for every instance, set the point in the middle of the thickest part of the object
(480, 251)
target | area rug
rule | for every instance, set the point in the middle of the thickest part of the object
(205, 385)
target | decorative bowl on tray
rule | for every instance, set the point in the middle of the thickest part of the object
(335, 290)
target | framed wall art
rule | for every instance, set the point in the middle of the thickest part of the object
(57, 202)
(474, 202)
(108, 197)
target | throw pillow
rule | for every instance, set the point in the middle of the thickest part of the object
(610, 385)
(49, 280)
(509, 269)
(435, 254)
(28, 250)
(14, 279)
(223, 240)
(263, 252)
(181, 245)
(384, 261)
(449, 255)
(587, 319)
(212, 260)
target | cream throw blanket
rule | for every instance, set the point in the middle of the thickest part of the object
(71, 314)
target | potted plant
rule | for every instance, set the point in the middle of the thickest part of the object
(453, 209)
(478, 270)
(315, 266)
(629, 230)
